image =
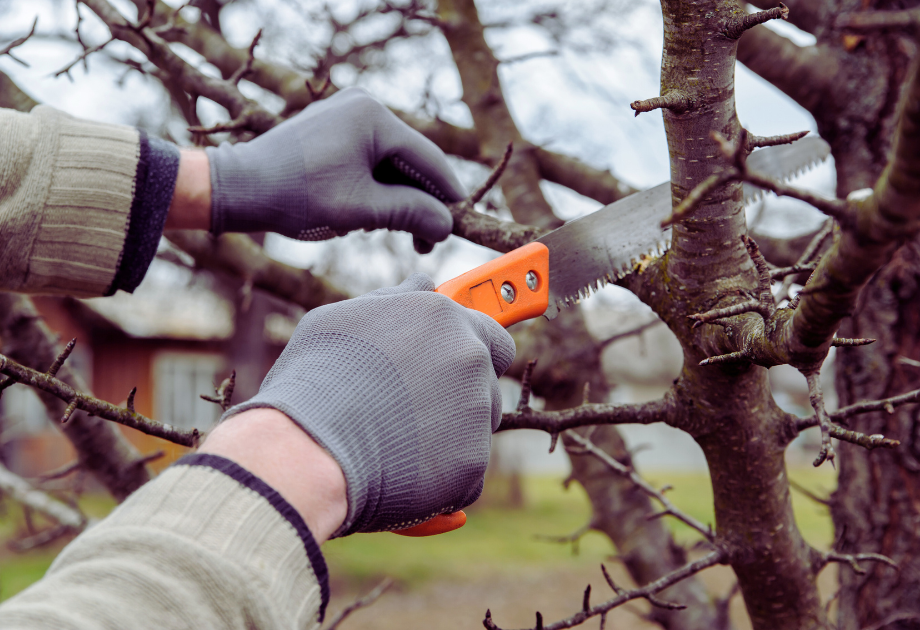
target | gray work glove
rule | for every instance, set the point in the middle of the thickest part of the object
(401, 387)
(312, 177)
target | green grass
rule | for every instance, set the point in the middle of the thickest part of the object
(494, 542)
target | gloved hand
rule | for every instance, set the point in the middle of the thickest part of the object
(401, 387)
(311, 177)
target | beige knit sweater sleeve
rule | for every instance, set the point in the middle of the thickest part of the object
(66, 189)
(195, 548)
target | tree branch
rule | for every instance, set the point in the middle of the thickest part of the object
(623, 596)
(7, 50)
(241, 257)
(660, 410)
(359, 603)
(101, 448)
(677, 101)
(587, 446)
(193, 81)
(94, 406)
(23, 492)
(808, 75)
(736, 27)
(878, 20)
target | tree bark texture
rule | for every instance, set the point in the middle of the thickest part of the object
(728, 409)
(852, 87)
(877, 504)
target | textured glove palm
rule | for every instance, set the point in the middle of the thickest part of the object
(401, 387)
(311, 177)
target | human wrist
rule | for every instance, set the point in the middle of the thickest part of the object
(268, 444)
(190, 208)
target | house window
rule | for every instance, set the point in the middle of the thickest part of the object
(179, 380)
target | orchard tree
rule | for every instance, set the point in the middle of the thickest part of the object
(712, 287)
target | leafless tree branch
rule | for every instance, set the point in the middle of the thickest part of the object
(585, 445)
(101, 408)
(359, 603)
(623, 596)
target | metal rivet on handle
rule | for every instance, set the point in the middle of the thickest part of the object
(532, 281)
(508, 293)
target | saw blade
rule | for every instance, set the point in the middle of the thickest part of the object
(600, 248)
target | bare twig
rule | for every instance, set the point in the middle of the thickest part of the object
(623, 596)
(748, 306)
(782, 272)
(101, 408)
(806, 258)
(772, 141)
(879, 20)
(63, 471)
(486, 186)
(887, 404)
(816, 397)
(587, 446)
(808, 493)
(675, 100)
(362, 602)
(638, 330)
(764, 280)
(39, 539)
(736, 27)
(700, 192)
(246, 68)
(574, 538)
(555, 421)
(854, 559)
(23, 492)
(224, 392)
(840, 342)
(317, 93)
(526, 387)
(740, 356)
(7, 50)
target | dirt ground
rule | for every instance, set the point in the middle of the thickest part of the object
(457, 605)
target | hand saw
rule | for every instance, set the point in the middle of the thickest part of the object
(565, 265)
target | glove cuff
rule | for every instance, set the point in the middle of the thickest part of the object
(344, 420)
(240, 192)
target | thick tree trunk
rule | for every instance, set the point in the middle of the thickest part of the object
(876, 507)
(858, 83)
(728, 409)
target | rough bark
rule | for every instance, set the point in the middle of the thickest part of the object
(875, 508)
(728, 408)
(101, 448)
(876, 498)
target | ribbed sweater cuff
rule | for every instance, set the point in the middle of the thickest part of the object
(228, 512)
(155, 181)
(79, 242)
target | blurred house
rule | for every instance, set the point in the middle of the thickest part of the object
(173, 339)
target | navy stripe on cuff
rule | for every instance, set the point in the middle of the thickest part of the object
(247, 479)
(154, 183)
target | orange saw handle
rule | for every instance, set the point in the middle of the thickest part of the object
(509, 289)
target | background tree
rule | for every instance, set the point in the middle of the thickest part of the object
(712, 288)
(855, 77)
